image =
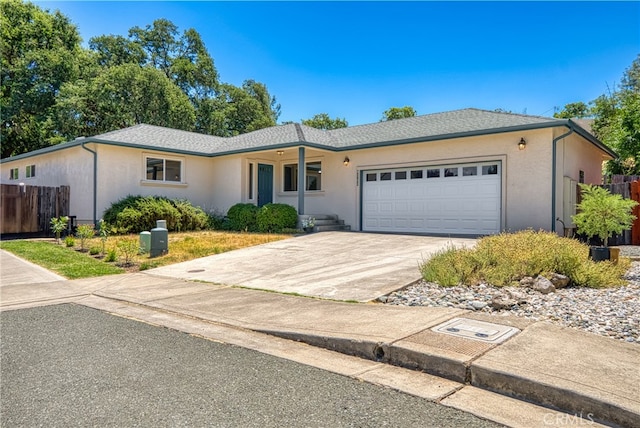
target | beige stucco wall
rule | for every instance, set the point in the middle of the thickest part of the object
(70, 167)
(122, 170)
(575, 155)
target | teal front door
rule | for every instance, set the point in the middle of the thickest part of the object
(265, 184)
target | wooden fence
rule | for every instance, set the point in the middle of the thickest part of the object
(629, 188)
(29, 209)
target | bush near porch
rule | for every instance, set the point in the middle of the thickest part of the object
(504, 259)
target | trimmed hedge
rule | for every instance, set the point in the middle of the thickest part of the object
(242, 217)
(270, 218)
(134, 214)
(276, 217)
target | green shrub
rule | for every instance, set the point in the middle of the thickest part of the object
(242, 217)
(276, 217)
(128, 248)
(59, 225)
(94, 251)
(111, 255)
(135, 214)
(216, 221)
(506, 258)
(69, 241)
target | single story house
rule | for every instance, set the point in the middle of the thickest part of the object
(462, 172)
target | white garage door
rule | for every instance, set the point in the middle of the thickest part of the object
(456, 199)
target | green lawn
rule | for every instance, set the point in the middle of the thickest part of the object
(61, 260)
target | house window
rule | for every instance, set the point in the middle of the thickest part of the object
(313, 176)
(433, 173)
(14, 174)
(581, 177)
(372, 177)
(469, 170)
(401, 175)
(489, 169)
(31, 171)
(416, 174)
(451, 172)
(385, 176)
(160, 169)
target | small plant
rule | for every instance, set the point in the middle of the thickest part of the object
(84, 232)
(94, 251)
(58, 225)
(111, 256)
(103, 231)
(129, 249)
(69, 241)
(601, 214)
(308, 222)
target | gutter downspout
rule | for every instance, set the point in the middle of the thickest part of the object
(553, 175)
(95, 183)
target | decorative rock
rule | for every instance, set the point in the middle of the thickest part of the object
(527, 281)
(559, 281)
(610, 312)
(543, 285)
(502, 302)
(477, 305)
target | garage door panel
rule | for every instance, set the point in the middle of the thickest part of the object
(463, 204)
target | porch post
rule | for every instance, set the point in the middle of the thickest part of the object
(301, 180)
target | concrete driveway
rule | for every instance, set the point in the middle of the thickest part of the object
(332, 265)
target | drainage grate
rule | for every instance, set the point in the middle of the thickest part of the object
(476, 330)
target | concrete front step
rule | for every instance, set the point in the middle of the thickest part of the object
(324, 222)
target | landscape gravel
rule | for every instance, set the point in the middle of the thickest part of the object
(611, 312)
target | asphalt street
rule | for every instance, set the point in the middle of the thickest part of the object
(69, 365)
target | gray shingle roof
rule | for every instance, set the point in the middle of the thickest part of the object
(435, 126)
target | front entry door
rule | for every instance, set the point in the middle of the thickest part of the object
(265, 184)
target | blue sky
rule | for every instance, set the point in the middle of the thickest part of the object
(356, 59)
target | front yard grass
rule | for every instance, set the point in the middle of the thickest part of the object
(59, 259)
(72, 263)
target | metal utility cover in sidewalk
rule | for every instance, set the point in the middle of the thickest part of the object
(476, 330)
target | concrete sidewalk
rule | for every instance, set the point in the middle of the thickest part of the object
(588, 376)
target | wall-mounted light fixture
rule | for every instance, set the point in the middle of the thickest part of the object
(346, 161)
(280, 152)
(522, 144)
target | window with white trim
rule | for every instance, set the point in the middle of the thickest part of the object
(163, 169)
(313, 176)
(14, 174)
(31, 171)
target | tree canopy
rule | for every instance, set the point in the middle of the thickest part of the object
(40, 51)
(323, 121)
(53, 90)
(397, 113)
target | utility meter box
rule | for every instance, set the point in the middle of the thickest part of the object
(159, 239)
(145, 242)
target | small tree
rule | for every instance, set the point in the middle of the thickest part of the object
(84, 232)
(104, 231)
(602, 214)
(58, 225)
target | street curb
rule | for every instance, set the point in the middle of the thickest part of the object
(467, 372)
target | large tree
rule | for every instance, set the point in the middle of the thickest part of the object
(323, 121)
(398, 113)
(574, 110)
(39, 52)
(119, 97)
(617, 122)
